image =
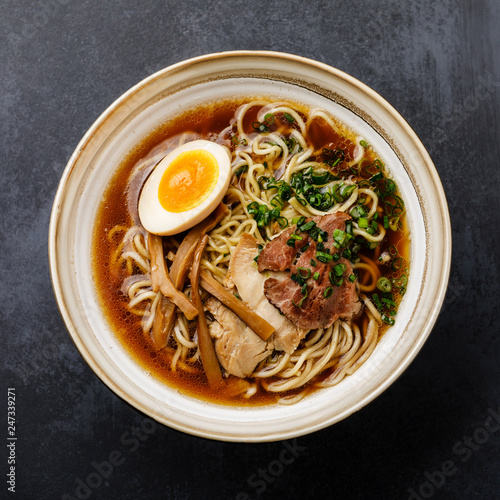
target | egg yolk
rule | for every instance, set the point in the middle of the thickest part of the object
(188, 180)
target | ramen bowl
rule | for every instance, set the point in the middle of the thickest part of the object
(165, 94)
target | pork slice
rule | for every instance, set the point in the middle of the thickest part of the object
(315, 310)
(345, 303)
(277, 255)
(243, 273)
(239, 349)
(331, 222)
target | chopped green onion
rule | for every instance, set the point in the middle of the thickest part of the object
(390, 185)
(288, 117)
(282, 221)
(276, 202)
(269, 118)
(263, 215)
(236, 140)
(320, 178)
(397, 263)
(358, 211)
(393, 204)
(389, 302)
(291, 243)
(260, 127)
(305, 270)
(363, 222)
(340, 269)
(252, 207)
(307, 226)
(363, 143)
(387, 320)
(375, 167)
(384, 284)
(352, 278)
(328, 292)
(394, 223)
(376, 301)
(298, 279)
(301, 200)
(341, 237)
(324, 257)
(316, 276)
(313, 263)
(334, 279)
(285, 192)
(338, 197)
(400, 282)
(318, 234)
(346, 191)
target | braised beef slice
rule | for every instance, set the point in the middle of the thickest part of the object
(277, 255)
(315, 310)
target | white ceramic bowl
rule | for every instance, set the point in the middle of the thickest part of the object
(183, 85)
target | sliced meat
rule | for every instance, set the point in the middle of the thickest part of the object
(316, 311)
(238, 348)
(249, 282)
(313, 303)
(277, 255)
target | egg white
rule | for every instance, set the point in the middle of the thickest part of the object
(156, 219)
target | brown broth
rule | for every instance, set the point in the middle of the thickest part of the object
(207, 120)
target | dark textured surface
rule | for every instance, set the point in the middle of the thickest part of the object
(62, 63)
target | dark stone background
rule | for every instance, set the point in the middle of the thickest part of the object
(62, 63)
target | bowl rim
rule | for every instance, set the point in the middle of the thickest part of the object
(363, 88)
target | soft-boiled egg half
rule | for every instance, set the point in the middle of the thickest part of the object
(184, 187)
